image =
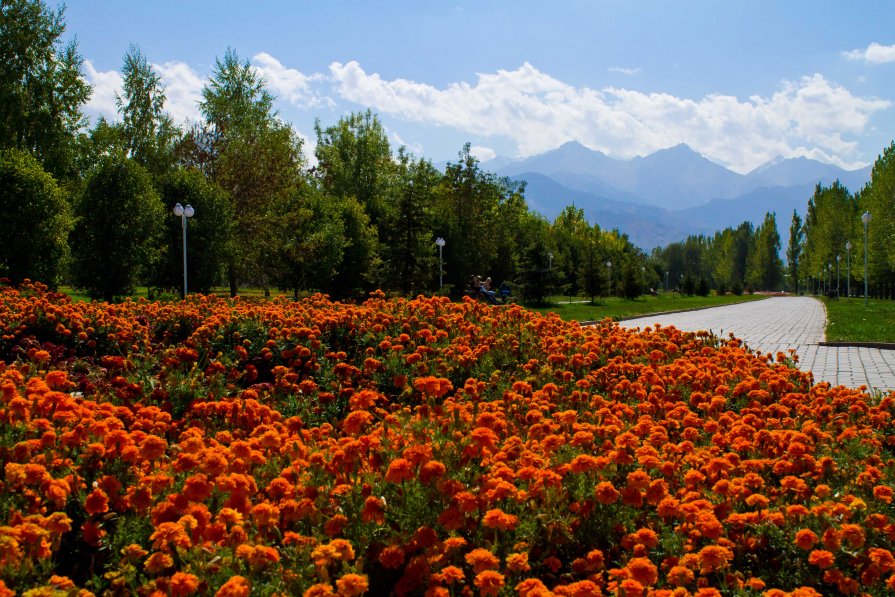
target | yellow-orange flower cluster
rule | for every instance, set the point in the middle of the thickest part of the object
(420, 446)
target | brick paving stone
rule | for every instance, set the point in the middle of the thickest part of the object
(779, 324)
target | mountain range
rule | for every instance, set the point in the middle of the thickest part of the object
(666, 196)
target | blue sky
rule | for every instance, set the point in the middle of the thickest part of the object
(740, 82)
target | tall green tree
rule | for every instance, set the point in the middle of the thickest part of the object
(117, 239)
(42, 87)
(355, 160)
(148, 131)
(878, 198)
(308, 237)
(764, 270)
(794, 251)
(250, 153)
(406, 231)
(36, 220)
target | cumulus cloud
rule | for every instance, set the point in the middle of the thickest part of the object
(630, 72)
(287, 83)
(538, 112)
(483, 154)
(874, 53)
(183, 90)
(106, 85)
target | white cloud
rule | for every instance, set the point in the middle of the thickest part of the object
(287, 83)
(874, 53)
(630, 72)
(183, 90)
(538, 112)
(106, 84)
(414, 148)
(483, 154)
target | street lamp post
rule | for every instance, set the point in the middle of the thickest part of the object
(838, 259)
(666, 280)
(440, 243)
(848, 246)
(866, 219)
(609, 265)
(829, 276)
(185, 214)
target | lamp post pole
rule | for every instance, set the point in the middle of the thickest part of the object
(440, 243)
(609, 265)
(866, 219)
(848, 268)
(666, 280)
(838, 259)
(185, 214)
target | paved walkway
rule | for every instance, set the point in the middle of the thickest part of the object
(780, 323)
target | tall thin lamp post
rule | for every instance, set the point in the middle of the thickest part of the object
(666, 280)
(866, 219)
(848, 246)
(609, 265)
(829, 276)
(440, 243)
(185, 213)
(838, 259)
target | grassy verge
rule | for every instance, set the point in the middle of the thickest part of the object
(618, 308)
(848, 320)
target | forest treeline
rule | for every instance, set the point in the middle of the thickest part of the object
(90, 204)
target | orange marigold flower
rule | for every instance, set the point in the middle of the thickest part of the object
(883, 493)
(391, 557)
(821, 558)
(373, 511)
(61, 582)
(489, 583)
(806, 539)
(631, 588)
(852, 534)
(355, 422)
(319, 590)
(606, 493)
(183, 584)
(449, 575)
(532, 587)
(169, 533)
(643, 571)
(133, 552)
(352, 585)
(714, 557)
(680, 576)
(237, 586)
(481, 559)
(158, 562)
(498, 519)
(97, 502)
(518, 562)
(399, 470)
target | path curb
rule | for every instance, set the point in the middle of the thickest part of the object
(879, 345)
(659, 313)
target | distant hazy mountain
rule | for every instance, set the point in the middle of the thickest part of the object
(752, 206)
(781, 172)
(646, 226)
(673, 178)
(665, 196)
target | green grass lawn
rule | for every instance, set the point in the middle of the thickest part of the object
(848, 320)
(618, 308)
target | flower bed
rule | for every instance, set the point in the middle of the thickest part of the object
(419, 446)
